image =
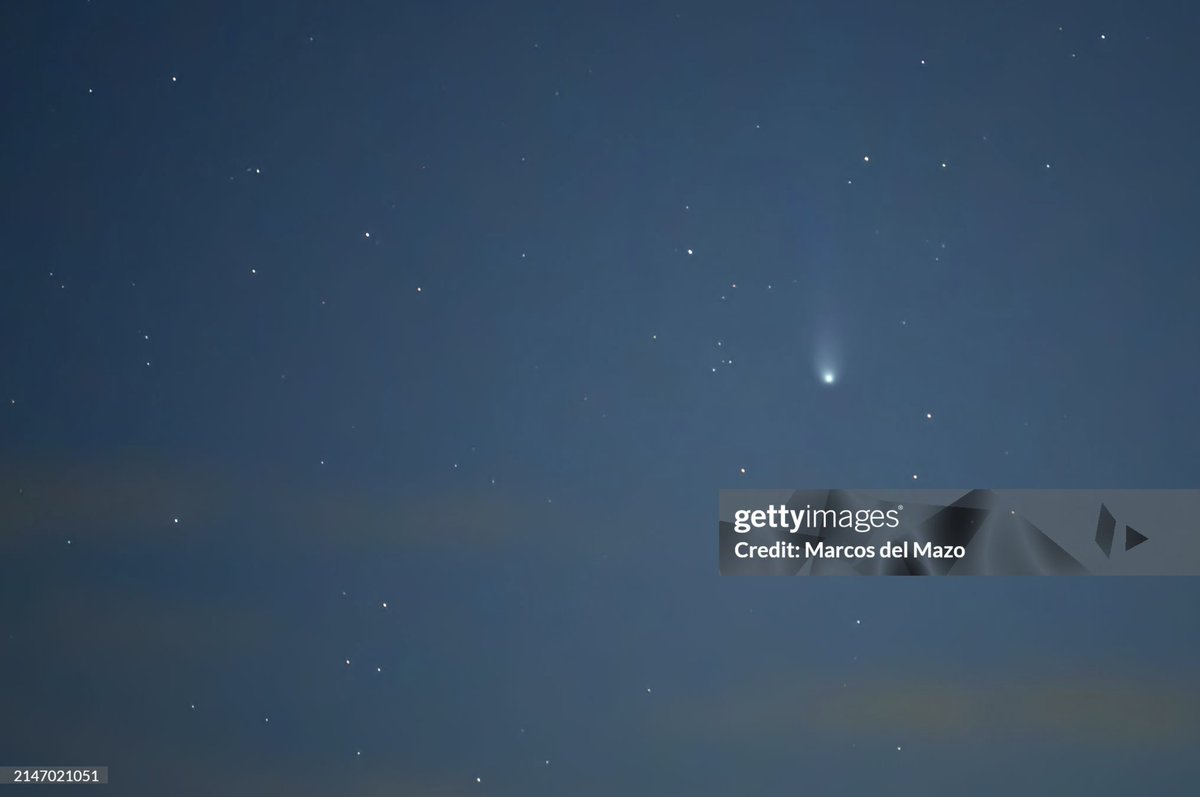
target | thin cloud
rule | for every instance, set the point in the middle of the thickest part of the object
(139, 499)
(1089, 711)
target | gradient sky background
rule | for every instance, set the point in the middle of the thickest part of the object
(312, 308)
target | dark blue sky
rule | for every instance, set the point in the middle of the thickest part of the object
(471, 310)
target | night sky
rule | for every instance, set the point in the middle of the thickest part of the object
(370, 372)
